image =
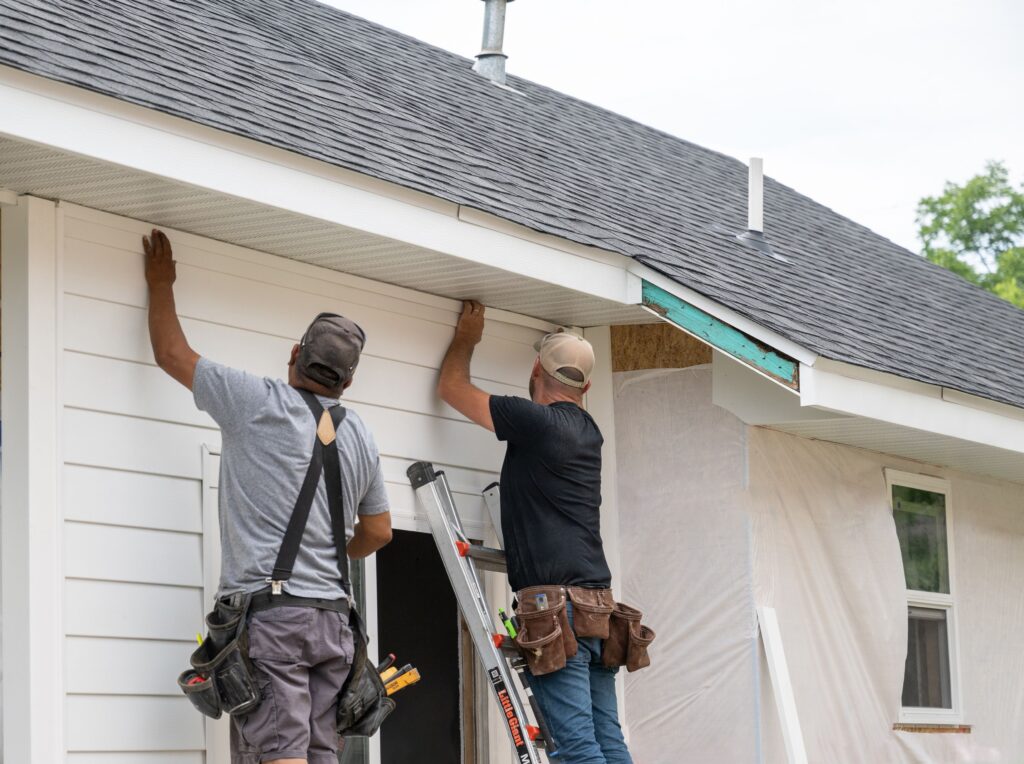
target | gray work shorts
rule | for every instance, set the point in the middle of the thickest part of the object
(302, 656)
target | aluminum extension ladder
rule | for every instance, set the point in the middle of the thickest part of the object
(498, 655)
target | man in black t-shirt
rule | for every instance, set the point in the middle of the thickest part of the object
(550, 517)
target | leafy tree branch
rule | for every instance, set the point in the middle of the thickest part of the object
(976, 230)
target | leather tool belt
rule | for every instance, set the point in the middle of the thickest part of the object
(547, 639)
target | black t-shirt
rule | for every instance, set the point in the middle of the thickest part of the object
(550, 494)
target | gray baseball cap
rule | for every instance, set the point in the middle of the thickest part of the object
(329, 350)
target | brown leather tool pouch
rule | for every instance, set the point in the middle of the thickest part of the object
(591, 611)
(544, 634)
(640, 637)
(627, 639)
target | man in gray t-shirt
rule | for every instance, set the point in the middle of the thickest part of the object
(267, 433)
(299, 640)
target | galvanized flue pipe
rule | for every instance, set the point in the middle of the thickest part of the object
(490, 62)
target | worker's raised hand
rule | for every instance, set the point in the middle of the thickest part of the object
(471, 323)
(160, 269)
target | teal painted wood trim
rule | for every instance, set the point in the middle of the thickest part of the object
(722, 336)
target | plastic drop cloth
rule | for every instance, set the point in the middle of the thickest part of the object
(685, 541)
(717, 518)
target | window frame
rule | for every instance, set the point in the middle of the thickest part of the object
(934, 601)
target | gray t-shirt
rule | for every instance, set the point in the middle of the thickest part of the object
(267, 440)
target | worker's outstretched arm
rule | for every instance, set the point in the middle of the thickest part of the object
(372, 532)
(170, 348)
(455, 387)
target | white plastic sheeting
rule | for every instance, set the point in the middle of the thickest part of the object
(827, 558)
(717, 518)
(686, 564)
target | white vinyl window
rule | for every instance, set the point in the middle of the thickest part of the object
(922, 513)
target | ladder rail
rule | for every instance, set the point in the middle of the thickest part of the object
(465, 576)
(435, 496)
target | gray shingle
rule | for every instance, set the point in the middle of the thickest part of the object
(322, 83)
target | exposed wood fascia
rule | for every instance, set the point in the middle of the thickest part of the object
(720, 335)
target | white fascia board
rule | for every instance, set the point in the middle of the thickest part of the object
(70, 119)
(912, 404)
(726, 315)
(878, 377)
(983, 404)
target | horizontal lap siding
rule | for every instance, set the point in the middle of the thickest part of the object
(132, 723)
(138, 499)
(138, 757)
(133, 440)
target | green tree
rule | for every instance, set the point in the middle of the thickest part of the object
(977, 231)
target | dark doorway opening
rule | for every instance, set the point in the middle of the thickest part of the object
(418, 621)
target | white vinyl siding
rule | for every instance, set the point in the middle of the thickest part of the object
(136, 573)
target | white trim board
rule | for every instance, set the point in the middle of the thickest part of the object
(32, 560)
(932, 391)
(87, 124)
(99, 127)
(914, 405)
(217, 730)
(782, 685)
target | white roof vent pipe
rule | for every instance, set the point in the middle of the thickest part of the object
(755, 196)
(490, 62)
(754, 235)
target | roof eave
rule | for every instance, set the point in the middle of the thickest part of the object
(87, 124)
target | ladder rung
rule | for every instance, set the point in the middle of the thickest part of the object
(506, 646)
(485, 557)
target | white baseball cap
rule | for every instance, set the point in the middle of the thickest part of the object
(563, 353)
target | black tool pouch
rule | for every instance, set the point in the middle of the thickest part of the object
(363, 704)
(201, 692)
(226, 678)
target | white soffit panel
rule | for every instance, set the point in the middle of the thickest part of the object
(758, 402)
(927, 447)
(30, 169)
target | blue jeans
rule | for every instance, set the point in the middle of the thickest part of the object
(580, 707)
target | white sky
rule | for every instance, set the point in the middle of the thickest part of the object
(864, 105)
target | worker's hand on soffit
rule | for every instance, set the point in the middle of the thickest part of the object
(160, 270)
(471, 323)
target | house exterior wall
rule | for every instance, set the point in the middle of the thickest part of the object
(134, 580)
(827, 554)
(719, 518)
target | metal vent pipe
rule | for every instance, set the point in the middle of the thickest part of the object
(754, 235)
(490, 62)
(755, 196)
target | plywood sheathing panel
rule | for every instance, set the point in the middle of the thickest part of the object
(656, 346)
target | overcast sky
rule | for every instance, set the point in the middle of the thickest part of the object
(864, 105)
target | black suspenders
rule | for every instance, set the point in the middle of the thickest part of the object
(324, 459)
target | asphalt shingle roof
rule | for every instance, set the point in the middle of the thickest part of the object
(314, 80)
